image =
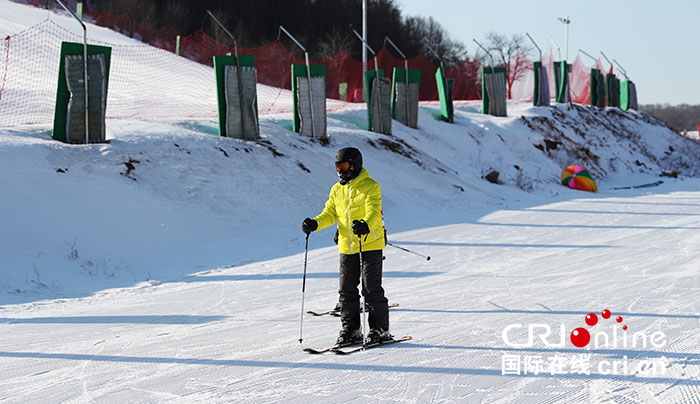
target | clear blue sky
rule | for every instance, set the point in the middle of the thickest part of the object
(657, 42)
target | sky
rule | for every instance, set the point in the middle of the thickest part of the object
(646, 37)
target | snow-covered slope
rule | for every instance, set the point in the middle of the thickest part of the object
(165, 265)
(164, 199)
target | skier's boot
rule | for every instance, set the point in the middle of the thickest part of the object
(378, 335)
(349, 336)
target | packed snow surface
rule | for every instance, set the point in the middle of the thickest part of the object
(166, 265)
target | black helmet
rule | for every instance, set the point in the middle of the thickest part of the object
(352, 170)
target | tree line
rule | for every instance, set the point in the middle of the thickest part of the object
(324, 27)
(677, 117)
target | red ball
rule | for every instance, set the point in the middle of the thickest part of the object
(591, 319)
(606, 314)
(619, 319)
(580, 337)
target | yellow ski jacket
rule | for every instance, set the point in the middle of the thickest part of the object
(359, 199)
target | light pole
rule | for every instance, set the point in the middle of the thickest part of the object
(364, 48)
(566, 20)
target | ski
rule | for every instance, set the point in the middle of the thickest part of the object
(339, 351)
(323, 313)
(330, 348)
(336, 313)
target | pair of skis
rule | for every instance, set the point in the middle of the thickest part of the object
(336, 313)
(356, 347)
(351, 347)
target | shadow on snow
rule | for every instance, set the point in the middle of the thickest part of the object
(166, 319)
(562, 312)
(339, 366)
(314, 275)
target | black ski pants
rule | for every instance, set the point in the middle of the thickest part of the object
(373, 291)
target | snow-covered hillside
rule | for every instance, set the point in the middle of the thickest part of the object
(165, 265)
(162, 199)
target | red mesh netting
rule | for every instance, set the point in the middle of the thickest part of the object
(274, 58)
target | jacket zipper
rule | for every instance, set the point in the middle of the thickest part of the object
(349, 224)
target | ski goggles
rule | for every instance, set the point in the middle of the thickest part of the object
(342, 166)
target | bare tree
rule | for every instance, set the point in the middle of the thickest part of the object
(677, 117)
(332, 44)
(510, 53)
(429, 34)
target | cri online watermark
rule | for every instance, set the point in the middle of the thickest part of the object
(615, 337)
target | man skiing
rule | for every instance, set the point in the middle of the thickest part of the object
(355, 203)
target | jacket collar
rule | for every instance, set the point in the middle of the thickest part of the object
(360, 177)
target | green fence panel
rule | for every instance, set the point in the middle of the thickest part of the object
(379, 104)
(536, 92)
(540, 93)
(343, 91)
(561, 81)
(300, 71)
(411, 103)
(220, 63)
(445, 87)
(597, 88)
(613, 90)
(628, 95)
(62, 91)
(369, 76)
(485, 97)
(624, 95)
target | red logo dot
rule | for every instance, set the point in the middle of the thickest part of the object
(591, 319)
(619, 319)
(624, 327)
(606, 314)
(580, 337)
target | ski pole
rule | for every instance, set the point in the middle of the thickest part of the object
(407, 250)
(303, 290)
(362, 296)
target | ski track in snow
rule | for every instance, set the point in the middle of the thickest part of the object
(196, 331)
(247, 351)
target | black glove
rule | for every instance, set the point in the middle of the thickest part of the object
(309, 225)
(336, 237)
(360, 227)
